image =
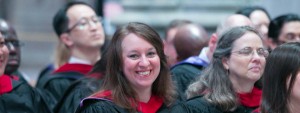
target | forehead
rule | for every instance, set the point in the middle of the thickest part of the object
(132, 41)
(291, 27)
(78, 11)
(259, 15)
(249, 39)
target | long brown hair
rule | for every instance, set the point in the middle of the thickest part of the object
(116, 82)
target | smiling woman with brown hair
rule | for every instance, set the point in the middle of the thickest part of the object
(137, 77)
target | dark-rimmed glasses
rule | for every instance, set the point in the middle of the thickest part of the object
(83, 23)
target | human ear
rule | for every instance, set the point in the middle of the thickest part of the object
(66, 39)
(225, 63)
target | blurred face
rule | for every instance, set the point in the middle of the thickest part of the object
(13, 45)
(290, 32)
(141, 62)
(260, 21)
(85, 29)
(247, 60)
(169, 48)
(3, 55)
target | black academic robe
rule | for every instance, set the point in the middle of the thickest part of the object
(22, 98)
(58, 82)
(107, 106)
(200, 105)
(79, 90)
(185, 72)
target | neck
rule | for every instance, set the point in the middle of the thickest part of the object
(91, 55)
(294, 106)
(144, 95)
(241, 86)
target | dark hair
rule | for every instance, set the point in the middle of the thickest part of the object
(282, 64)
(214, 83)
(61, 21)
(115, 79)
(246, 11)
(277, 24)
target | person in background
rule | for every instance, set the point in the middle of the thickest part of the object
(281, 80)
(284, 28)
(83, 87)
(227, 84)
(16, 96)
(168, 41)
(259, 17)
(138, 78)
(231, 21)
(80, 30)
(13, 44)
(188, 42)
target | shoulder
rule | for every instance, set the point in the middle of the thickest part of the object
(98, 105)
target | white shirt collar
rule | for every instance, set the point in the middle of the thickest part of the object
(74, 60)
(203, 55)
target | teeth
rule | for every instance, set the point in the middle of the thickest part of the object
(144, 73)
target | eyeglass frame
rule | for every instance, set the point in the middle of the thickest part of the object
(258, 51)
(89, 21)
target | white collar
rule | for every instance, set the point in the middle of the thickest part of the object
(203, 55)
(74, 60)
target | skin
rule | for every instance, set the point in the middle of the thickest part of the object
(232, 21)
(141, 65)
(84, 43)
(11, 40)
(244, 71)
(290, 32)
(295, 96)
(261, 22)
(169, 48)
(3, 55)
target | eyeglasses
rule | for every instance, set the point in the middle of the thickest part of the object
(248, 51)
(14, 43)
(83, 23)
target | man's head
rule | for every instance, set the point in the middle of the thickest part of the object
(189, 40)
(285, 28)
(78, 26)
(168, 42)
(13, 45)
(230, 22)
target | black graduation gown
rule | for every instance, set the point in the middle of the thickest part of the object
(106, 106)
(75, 93)
(57, 83)
(185, 72)
(24, 99)
(200, 105)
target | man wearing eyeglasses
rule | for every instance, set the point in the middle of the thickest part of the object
(13, 45)
(80, 30)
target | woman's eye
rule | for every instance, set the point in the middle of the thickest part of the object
(151, 54)
(134, 56)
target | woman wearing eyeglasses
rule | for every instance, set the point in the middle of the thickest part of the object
(227, 84)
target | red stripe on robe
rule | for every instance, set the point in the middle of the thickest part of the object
(5, 84)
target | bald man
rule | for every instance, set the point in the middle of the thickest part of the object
(188, 42)
(231, 21)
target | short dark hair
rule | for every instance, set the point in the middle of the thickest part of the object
(61, 21)
(277, 24)
(246, 11)
(282, 64)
